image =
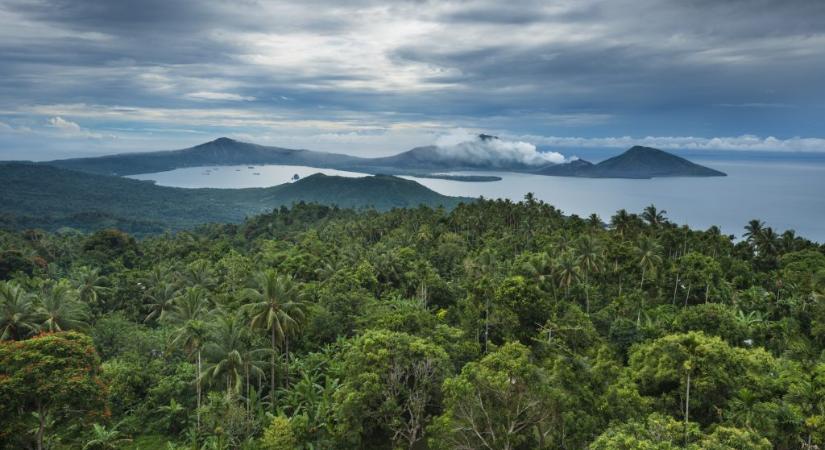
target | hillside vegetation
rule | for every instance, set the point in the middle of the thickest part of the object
(493, 325)
(40, 196)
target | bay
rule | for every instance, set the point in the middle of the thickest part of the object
(784, 194)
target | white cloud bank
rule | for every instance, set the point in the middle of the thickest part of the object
(463, 145)
(219, 96)
(742, 143)
(73, 130)
(64, 125)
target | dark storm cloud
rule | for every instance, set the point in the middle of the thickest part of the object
(585, 67)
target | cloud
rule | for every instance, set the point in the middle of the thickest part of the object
(68, 128)
(687, 68)
(743, 143)
(65, 126)
(219, 96)
(461, 145)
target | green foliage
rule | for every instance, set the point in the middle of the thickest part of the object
(278, 435)
(492, 325)
(390, 388)
(51, 378)
(88, 202)
(657, 432)
(500, 402)
(664, 369)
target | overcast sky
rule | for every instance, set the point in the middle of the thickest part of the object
(81, 77)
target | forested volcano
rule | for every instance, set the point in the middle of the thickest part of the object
(495, 324)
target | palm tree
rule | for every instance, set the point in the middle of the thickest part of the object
(649, 256)
(225, 351)
(162, 299)
(789, 241)
(749, 321)
(540, 268)
(594, 221)
(174, 415)
(199, 273)
(622, 221)
(654, 217)
(59, 310)
(17, 312)
(254, 360)
(477, 270)
(106, 439)
(589, 256)
(767, 242)
(89, 284)
(189, 313)
(159, 275)
(276, 305)
(191, 304)
(567, 269)
(752, 230)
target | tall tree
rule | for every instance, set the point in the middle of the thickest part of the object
(226, 352)
(623, 222)
(654, 217)
(648, 256)
(89, 284)
(276, 306)
(752, 231)
(17, 312)
(501, 402)
(390, 387)
(161, 301)
(58, 308)
(567, 271)
(589, 257)
(51, 376)
(189, 315)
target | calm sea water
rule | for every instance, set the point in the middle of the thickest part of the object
(234, 177)
(785, 194)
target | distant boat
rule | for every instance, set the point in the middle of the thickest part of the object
(237, 170)
(256, 173)
(250, 167)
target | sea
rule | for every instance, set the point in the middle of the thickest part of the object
(786, 193)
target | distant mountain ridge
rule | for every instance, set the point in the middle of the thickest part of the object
(221, 151)
(637, 162)
(41, 196)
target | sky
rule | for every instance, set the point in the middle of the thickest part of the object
(81, 77)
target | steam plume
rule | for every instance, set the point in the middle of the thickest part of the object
(461, 145)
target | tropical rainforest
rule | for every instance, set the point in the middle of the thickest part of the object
(493, 325)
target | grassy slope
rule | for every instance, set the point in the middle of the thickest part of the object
(49, 197)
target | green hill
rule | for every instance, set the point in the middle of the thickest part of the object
(40, 196)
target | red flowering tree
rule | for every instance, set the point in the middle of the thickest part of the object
(47, 380)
